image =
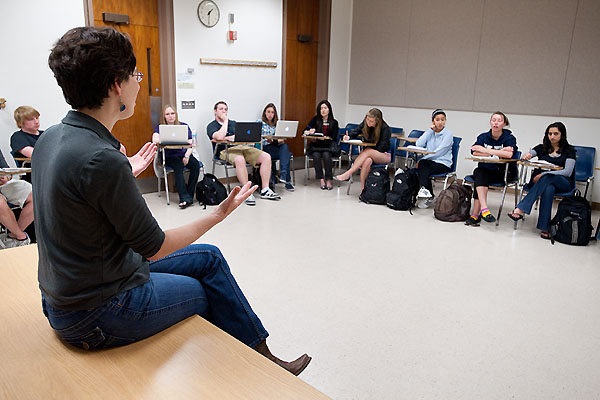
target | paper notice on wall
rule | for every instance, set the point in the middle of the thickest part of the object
(184, 80)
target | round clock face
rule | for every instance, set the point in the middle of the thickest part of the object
(208, 13)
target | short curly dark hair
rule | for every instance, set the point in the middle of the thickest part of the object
(87, 61)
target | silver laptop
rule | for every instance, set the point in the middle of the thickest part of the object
(173, 134)
(286, 128)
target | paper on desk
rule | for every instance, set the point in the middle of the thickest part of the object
(416, 147)
(354, 141)
(542, 163)
(487, 157)
(15, 169)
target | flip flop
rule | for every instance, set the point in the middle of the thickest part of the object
(184, 204)
(545, 235)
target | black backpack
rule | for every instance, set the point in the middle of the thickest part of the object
(572, 223)
(454, 203)
(404, 190)
(377, 186)
(209, 191)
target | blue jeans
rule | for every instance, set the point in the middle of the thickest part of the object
(544, 189)
(193, 280)
(186, 192)
(281, 152)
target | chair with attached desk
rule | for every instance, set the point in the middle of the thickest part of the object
(415, 134)
(162, 170)
(452, 173)
(470, 180)
(393, 146)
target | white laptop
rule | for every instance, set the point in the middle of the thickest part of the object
(173, 134)
(286, 128)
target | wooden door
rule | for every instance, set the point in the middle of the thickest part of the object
(143, 33)
(301, 58)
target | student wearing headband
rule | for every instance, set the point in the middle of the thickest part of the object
(437, 140)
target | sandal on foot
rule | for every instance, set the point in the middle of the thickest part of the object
(514, 216)
(184, 204)
(545, 235)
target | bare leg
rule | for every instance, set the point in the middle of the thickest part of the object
(7, 218)
(240, 170)
(364, 172)
(264, 160)
(476, 207)
(26, 217)
(482, 192)
(375, 156)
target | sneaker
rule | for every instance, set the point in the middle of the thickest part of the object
(424, 193)
(12, 242)
(422, 203)
(488, 218)
(472, 221)
(267, 193)
(251, 200)
(289, 187)
(429, 202)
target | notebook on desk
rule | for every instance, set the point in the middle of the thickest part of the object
(286, 128)
(173, 134)
(248, 131)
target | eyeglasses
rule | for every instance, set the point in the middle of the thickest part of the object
(138, 76)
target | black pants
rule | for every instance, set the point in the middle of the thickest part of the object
(327, 164)
(485, 176)
(186, 192)
(426, 168)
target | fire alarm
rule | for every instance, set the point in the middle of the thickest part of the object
(232, 35)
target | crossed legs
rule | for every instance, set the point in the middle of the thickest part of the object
(365, 159)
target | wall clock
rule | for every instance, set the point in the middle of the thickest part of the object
(208, 13)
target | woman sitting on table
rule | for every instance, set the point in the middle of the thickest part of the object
(178, 159)
(437, 140)
(556, 150)
(323, 150)
(372, 129)
(119, 278)
(499, 143)
(277, 148)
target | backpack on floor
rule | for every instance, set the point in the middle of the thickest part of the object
(572, 223)
(209, 191)
(405, 187)
(453, 204)
(377, 186)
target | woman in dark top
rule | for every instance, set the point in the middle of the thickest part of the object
(322, 151)
(108, 273)
(500, 143)
(556, 150)
(178, 159)
(373, 129)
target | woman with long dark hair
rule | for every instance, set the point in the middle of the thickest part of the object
(323, 151)
(556, 150)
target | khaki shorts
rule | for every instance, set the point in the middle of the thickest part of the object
(250, 154)
(16, 191)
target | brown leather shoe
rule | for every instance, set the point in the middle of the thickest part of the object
(295, 367)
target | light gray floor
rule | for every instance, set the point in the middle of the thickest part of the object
(398, 306)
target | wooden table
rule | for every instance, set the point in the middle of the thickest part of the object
(191, 360)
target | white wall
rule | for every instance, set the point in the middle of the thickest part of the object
(246, 90)
(31, 27)
(528, 129)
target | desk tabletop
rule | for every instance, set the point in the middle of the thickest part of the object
(311, 137)
(174, 146)
(229, 142)
(190, 360)
(413, 150)
(401, 136)
(533, 164)
(277, 137)
(14, 171)
(491, 160)
(22, 159)
(363, 144)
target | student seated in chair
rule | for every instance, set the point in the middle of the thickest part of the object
(373, 129)
(23, 141)
(16, 192)
(109, 274)
(556, 150)
(178, 159)
(438, 140)
(222, 128)
(277, 148)
(498, 142)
